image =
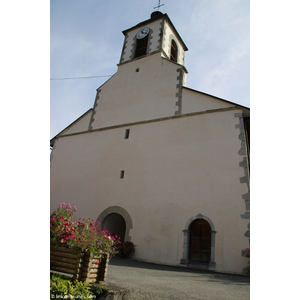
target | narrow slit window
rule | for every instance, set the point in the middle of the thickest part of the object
(127, 133)
(122, 174)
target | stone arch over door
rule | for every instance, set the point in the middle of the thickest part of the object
(121, 211)
(186, 241)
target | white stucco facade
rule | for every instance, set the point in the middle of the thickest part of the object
(183, 155)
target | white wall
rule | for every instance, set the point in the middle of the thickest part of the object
(131, 96)
(174, 170)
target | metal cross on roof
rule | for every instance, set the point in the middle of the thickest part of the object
(159, 5)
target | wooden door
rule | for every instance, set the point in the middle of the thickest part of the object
(200, 241)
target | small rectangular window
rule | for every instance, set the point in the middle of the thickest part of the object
(127, 133)
(122, 174)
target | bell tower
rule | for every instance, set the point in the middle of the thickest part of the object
(155, 35)
(151, 74)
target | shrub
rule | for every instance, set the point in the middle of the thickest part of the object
(247, 252)
(63, 287)
(125, 249)
(99, 288)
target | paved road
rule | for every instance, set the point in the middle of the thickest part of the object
(156, 282)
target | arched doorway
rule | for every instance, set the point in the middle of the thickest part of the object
(200, 242)
(116, 220)
(115, 224)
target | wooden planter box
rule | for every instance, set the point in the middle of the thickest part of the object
(78, 265)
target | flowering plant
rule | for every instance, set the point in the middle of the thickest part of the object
(247, 252)
(86, 235)
(125, 249)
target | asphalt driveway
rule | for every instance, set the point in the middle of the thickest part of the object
(156, 282)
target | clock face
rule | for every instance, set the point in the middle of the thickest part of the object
(142, 33)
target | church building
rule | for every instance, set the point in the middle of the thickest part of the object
(158, 163)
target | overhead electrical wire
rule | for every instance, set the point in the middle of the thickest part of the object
(88, 77)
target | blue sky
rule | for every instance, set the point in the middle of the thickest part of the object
(86, 40)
